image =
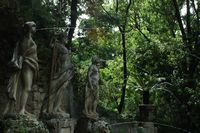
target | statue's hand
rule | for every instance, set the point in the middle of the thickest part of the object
(15, 64)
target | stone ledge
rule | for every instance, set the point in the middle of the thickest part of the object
(86, 125)
(15, 123)
(59, 123)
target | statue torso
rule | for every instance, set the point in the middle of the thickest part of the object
(94, 75)
(63, 59)
(27, 47)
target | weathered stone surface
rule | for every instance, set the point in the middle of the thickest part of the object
(125, 127)
(86, 125)
(65, 130)
(147, 112)
(133, 127)
(59, 123)
(15, 123)
(24, 65)
(62, 72)
(148, 127)
(92, 90)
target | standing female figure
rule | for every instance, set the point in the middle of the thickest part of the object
(25, 64)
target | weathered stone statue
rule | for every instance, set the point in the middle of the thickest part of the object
(90, 121)
(92, 89)
(25, 69)
(62, 73)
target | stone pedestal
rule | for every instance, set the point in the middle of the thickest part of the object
(59, 123)
(15, 123)
(147, 127)
(86, 125)
(147, 116)
(133, 127)
(147, 112)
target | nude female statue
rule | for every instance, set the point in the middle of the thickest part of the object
(92, 89)
(25, 62)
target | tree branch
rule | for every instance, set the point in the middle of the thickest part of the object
(73, 17)
(110, 17)
(188, 21)
(197, 14)
(117, 6)
(138, 28)
(149, 40)
(126, 15)
(123, 36)
(178, 17)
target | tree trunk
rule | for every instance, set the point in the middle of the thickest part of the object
(191, 62)
(123, 35)
(179, 20)
(146, 97)
(121, 105)
(73, 18)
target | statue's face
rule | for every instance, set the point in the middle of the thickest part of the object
(65, 39)
(30, 26)
(62, 38)
(33, 28)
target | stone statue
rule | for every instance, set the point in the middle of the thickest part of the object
(92, 89)
(25, 69)
(62, 74)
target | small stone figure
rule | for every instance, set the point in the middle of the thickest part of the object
(92, 89)
(25, 64)
(62, 74)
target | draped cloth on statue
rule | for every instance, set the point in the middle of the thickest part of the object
(29, 57)
(62, 74)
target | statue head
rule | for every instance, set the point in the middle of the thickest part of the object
(62, 37)
(95, 60)
(99, 62)
(29, 27)
(59, 37)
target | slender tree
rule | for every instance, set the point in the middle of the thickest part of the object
(73, 19)
(122, 29)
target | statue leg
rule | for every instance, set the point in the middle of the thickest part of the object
(95, 101)
(57, 103)
(58, 99)
(89, 107)
(9, 107)
(87, 101)
(13, 84)
(27, 79)
(86, 106)
(90, 102)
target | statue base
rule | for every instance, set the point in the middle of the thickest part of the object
(147, 115)
(59, 123)
(134, 127)
(87, 125)
(147, 127)
(93, 116)
(16, 123)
